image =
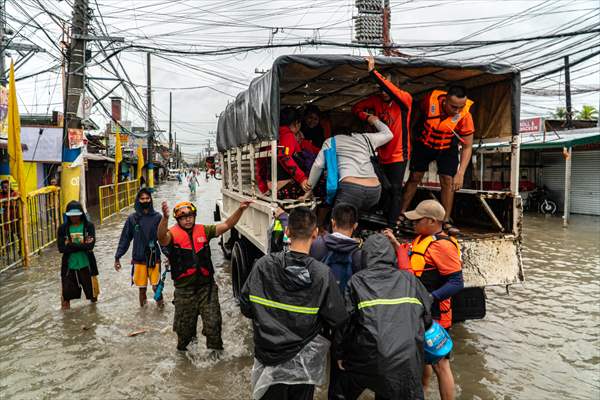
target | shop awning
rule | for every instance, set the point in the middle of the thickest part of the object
(557, 139)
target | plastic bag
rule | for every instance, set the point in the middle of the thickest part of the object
(307, 367)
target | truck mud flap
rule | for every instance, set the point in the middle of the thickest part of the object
(468, 304)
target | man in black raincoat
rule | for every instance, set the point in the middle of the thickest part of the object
(381, 346)
(76, 238)
(290, 296)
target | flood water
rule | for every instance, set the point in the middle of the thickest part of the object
(540, 341)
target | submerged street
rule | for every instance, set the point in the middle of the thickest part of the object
(539, 341)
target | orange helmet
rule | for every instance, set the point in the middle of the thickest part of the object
(178, 211)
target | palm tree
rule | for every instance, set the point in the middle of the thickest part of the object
(588, 113)
(560, 113)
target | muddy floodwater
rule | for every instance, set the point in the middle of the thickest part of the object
(539, 341)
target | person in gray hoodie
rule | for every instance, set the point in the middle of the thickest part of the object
(141, 226)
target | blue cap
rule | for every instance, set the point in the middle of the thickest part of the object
(438, 343)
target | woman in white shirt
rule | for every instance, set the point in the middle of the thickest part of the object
(358, 184)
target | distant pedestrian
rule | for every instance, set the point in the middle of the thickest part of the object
(290, 298)
(76, 238)
(193, 183)
(196, 292)
(142, 226)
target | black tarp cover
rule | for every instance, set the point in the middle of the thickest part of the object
(335, 82)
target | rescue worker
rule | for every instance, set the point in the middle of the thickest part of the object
(196, 292)
(76, 238)
(290, 298)
(445, 120)
(393, 106)
(141, 226)
(435, 258)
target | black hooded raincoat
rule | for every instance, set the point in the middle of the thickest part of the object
(382, 342)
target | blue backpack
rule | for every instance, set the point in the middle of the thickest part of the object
(341, 267)
(331, 184)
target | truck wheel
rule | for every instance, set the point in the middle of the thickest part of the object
(241, 263)
(227, 246)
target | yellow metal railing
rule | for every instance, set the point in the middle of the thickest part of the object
(114, 198)
(43, 207)
(11, 232)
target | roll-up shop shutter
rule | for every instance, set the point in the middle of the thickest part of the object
(585, 182)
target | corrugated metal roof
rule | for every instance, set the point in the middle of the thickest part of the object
(575, 137)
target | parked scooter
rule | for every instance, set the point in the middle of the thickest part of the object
(539, 201)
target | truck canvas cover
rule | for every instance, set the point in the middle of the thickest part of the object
(336, 82)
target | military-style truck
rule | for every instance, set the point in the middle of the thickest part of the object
(490, 221)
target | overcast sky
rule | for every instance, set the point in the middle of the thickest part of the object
(214, 24)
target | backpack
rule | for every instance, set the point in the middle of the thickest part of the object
(151, 251)
(341, 266)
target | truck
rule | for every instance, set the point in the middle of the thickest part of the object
(490, 221)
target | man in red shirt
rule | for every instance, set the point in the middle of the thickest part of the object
(444, 121)
(393, 106)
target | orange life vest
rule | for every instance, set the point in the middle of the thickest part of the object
(430, 276)
(189, 253)
(437, 132)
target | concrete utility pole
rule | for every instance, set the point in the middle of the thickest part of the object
(70, 177)
(150, 123)
(170, 121)
(568, 93)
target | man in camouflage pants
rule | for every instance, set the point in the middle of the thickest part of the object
(191, 302)
(196, 293)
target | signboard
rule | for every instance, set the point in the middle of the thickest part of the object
(3, 112)
(531, 125)
(76, 138)
(43, 144)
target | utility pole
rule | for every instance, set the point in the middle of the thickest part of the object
(170, 121)
(568, 93)
(2, 39)
(387, 41)
(71, 176)
(150, 124)
(176, 151)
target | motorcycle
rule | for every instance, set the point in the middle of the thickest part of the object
(540, 201)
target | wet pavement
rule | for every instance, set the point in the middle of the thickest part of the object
(541, 341)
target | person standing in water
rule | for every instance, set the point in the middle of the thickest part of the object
(141, 226)
(76, 238)
(193, 182)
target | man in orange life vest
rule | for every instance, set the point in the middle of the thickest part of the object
(196, 292)
(435, 258)
(444, 121)
(392, 106)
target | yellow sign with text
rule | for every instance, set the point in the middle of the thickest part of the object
(69, 184)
